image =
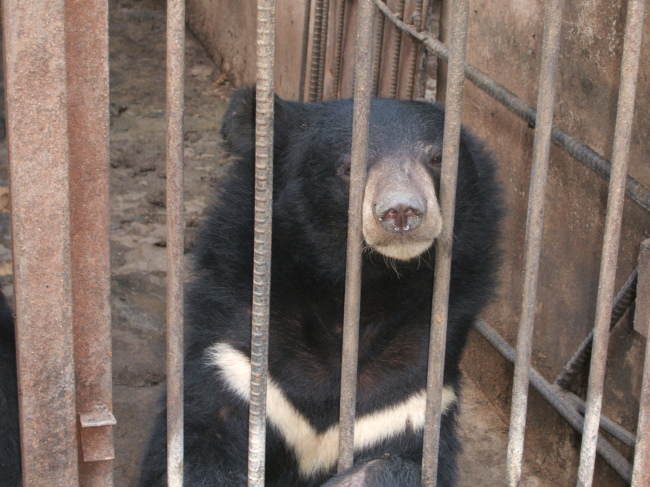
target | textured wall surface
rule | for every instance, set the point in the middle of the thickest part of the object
(505, 39)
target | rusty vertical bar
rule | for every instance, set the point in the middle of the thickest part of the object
(416, 48)
(338, 48)
(88, 125)
(305, 50)
(395, 49)
(378, 43)
(615, 200)
(323, 50)
(317, 45)
(438, 338)
(175, 238)
(38, 167)
(534, 231)
(641, 470)
(362, 96)
(264, 116)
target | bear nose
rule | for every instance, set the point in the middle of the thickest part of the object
(400, 213)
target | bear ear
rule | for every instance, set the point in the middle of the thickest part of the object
(238, 129)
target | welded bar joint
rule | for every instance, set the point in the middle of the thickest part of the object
(264, 116)
(352, 306)
(534, 230)
(609, 259)
(442, 271)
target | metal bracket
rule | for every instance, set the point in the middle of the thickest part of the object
(97, 433)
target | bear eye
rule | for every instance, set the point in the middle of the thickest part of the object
(435, 161)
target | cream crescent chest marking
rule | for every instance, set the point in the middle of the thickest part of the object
(319, 451)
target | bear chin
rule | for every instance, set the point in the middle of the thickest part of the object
(403, 251)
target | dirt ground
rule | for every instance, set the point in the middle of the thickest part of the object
(137, 80)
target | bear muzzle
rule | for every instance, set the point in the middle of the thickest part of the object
(401, 216)
(401, 213)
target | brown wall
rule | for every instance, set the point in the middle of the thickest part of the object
(504, 40)
(227, 28)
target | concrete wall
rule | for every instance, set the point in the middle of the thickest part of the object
(505, 38)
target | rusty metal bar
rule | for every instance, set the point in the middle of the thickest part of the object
(580, 151)
(574, 367)
(442, 272)
(395, 49)
(37, 130)
(613, 428)
(88, 126)
(305, 50)
(419, 20)
(323, 50)
(616, 198)
(641, 471)
(338, 49)
(567, 411)
(175, 238)
(264, 116)
(378, 42)
(534, 231)
(362, 96)
(318, 49)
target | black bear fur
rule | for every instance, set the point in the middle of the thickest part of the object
(10, 470)
(311, 150)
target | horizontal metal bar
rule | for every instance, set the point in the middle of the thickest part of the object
(636, 191)
(613, 428)
(620, 465)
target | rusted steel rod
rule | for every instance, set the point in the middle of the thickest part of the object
(378, 43)
(609, 259)
(534, 231)
(626, 295)
(641, 472)
(450, 145)
(580, 151)
(338, 49)
(305, 51)
(88, 125)
(264, 116)
(419, 17)
(616, 430)
(567, 411)
(37, 129)
(175, 238)
(318, 47)
(395, 50)
(352, 306)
